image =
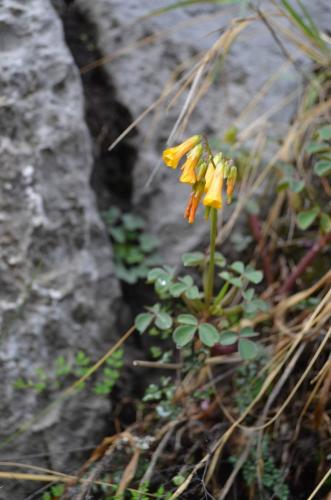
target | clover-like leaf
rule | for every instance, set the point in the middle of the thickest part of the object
(208, 334)
(322, 167)
(248, 294)
(238, 266)
(252, 275)
(317, 147)
(226, 276)
(133, 222)
(143, 321)
(325, 223)
(324, 133)
(219, 259)
(248, 331)
(157, 273)
(187, 280)
(183, 335)
(187, 319)
(148, 242)
(247, 349)
(193, 293)
(228, 338)
(176, 289)
(307, 217)
(193, 259)
(163, 321)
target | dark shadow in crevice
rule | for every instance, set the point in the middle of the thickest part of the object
(106, 117)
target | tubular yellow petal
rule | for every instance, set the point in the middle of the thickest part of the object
(209, 176)
(172, 156)
(189, 176)
(213, 197)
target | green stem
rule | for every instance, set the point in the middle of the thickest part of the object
(211, 269)
(221, 295)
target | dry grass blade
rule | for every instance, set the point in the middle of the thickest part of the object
(60, 478)
(129, 472)
(319, 486)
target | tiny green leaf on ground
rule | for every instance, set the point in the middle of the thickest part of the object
(307, 217)
(322, 167)
(208, 334)
(253, 275)
(238, 267)
(187, 319)
(325, 223)
(163, 321)
(183, 335)
(228, 338)
(193, 259)
(248, 349)
(143, 321)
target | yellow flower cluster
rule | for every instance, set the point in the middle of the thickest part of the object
(204, 177)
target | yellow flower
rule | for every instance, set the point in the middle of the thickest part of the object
(230, 183)
(172, 156)
(189, 176)
(209, 175)
(213, 197)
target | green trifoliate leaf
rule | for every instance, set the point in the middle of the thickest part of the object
(157, 273)
(219, 259)
(248, 294)
(148, 242)
(228, 338)
(193, 259)
(176, 289)
(183, 335)
(307, 217)
(143, 321)
(252, 275)
(238, 267)
(248, 331)
(248, 349)
(187, 319)
(208, 334)
(133, 222)
(325, 223)
(317, 147)
(163, 321)
(118, 234)
(322, 167)
(324, 133)
(187, 280)
(193, 293)
(226, 276)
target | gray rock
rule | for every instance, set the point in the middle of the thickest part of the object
(58, 294)
(140, 75)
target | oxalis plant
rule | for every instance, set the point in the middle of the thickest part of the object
(201, 316)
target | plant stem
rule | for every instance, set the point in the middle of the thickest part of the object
(211, 269)
(303, 263)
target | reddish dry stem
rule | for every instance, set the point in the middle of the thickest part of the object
(304, 263)
(255, 225)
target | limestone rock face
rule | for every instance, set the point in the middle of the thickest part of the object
(58, 294)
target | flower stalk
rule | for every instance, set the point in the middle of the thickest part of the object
(209, 291)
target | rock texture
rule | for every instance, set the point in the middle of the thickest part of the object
(57, 291)
(141, 73)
